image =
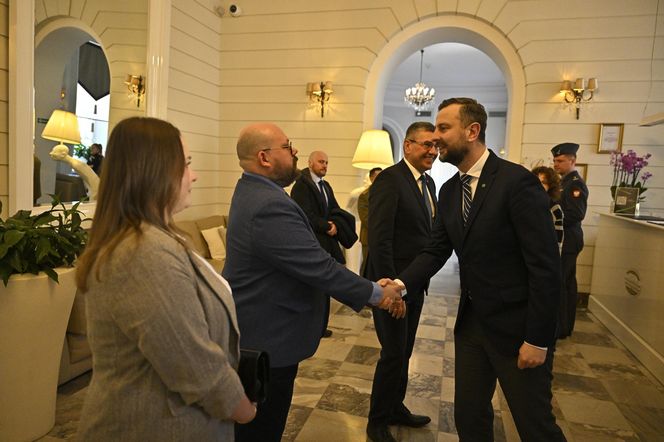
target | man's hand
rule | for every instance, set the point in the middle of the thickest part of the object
(332, 231)
(530, 357)
(392, 298)
(398, 309)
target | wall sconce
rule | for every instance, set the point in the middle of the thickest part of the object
(373, 150)
(579, 92)
(136, 87)
(320, 93)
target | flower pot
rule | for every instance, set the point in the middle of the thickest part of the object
(34, 311)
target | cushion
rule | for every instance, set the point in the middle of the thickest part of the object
(215, 243)
(195, 237)
(222, 232)
(210, 222)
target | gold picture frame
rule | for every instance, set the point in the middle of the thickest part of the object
(582, 168)
(610, 137)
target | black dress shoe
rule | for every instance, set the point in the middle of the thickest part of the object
(410, 420)
(379, 433)
(327, 333)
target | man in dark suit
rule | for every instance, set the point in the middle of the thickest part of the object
(574, 202)
(316, 198)
(401, 212)
(278, 273)
(495, 215)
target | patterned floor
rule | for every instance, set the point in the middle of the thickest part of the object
(601, 393)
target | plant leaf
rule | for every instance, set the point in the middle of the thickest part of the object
(12, 237)
(51, 274)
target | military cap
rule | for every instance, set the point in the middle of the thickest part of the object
(565, 149)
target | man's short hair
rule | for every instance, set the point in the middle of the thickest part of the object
(417, 126)
(470, 112)
(374, 171)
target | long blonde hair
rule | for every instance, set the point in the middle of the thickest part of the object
(139, 184)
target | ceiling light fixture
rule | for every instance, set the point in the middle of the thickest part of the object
(420, 97)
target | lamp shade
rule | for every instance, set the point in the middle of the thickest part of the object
(373, 150)
(62, 127)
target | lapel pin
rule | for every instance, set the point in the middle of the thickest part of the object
(483, 185)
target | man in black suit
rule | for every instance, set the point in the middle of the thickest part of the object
(495, 215)
(574, 202)
(401, 212)
(316, 198)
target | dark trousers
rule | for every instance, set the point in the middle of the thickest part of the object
(569, 293)
(397, 338)
(270, 420)
(528, 392)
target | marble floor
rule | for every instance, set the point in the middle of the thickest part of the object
(601, 392)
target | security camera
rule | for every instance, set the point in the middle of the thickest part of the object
(235, 10)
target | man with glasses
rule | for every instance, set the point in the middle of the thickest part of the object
(279, 273)
(495, 216)
(402, 208)
(316, 197)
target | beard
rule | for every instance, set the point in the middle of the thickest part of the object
(453, 155)
(287, 176)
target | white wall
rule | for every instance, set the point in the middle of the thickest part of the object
(230, 71)
(4, 97)
(194, 103)
(271, 52)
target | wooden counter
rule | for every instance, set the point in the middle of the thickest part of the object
(627, 289)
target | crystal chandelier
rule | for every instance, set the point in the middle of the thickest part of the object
(420, 97)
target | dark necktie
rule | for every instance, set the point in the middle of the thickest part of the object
(425, 194)
(467, 196)
(322, 192)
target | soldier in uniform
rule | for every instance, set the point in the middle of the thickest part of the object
(574, 201)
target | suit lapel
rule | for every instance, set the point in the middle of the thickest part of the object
(483, 187)
(453, 199)
(215, 287)
(414, 187)
(316, 190)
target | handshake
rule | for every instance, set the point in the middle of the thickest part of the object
(392, 301)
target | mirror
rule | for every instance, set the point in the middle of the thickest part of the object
(133, 45)
(81, 62)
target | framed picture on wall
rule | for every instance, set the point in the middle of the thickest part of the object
(583, 170)
(610, 137)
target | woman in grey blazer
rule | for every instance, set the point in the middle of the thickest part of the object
(162, 323)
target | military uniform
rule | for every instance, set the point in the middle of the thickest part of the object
(574, 202)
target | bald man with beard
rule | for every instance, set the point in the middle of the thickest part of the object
(279, 273)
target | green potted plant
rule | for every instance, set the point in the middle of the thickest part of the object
(82, 151)
(37, 253)
(41, 243)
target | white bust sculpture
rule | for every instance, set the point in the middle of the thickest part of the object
(91, 180)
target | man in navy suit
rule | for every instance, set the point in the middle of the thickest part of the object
(402, 205)
(278, 273)
(495, 215)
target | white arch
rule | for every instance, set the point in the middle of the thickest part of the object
(458, 29)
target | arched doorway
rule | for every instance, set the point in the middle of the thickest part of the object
(456, 29)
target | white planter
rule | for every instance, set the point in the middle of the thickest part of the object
(34, 311)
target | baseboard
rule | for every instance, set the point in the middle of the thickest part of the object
(647, 355)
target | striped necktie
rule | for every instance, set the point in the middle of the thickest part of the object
(467, 196)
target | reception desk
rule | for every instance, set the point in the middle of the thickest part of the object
(627, 289)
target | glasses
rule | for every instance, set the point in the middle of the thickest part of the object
(288, 146)
(428, 145)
